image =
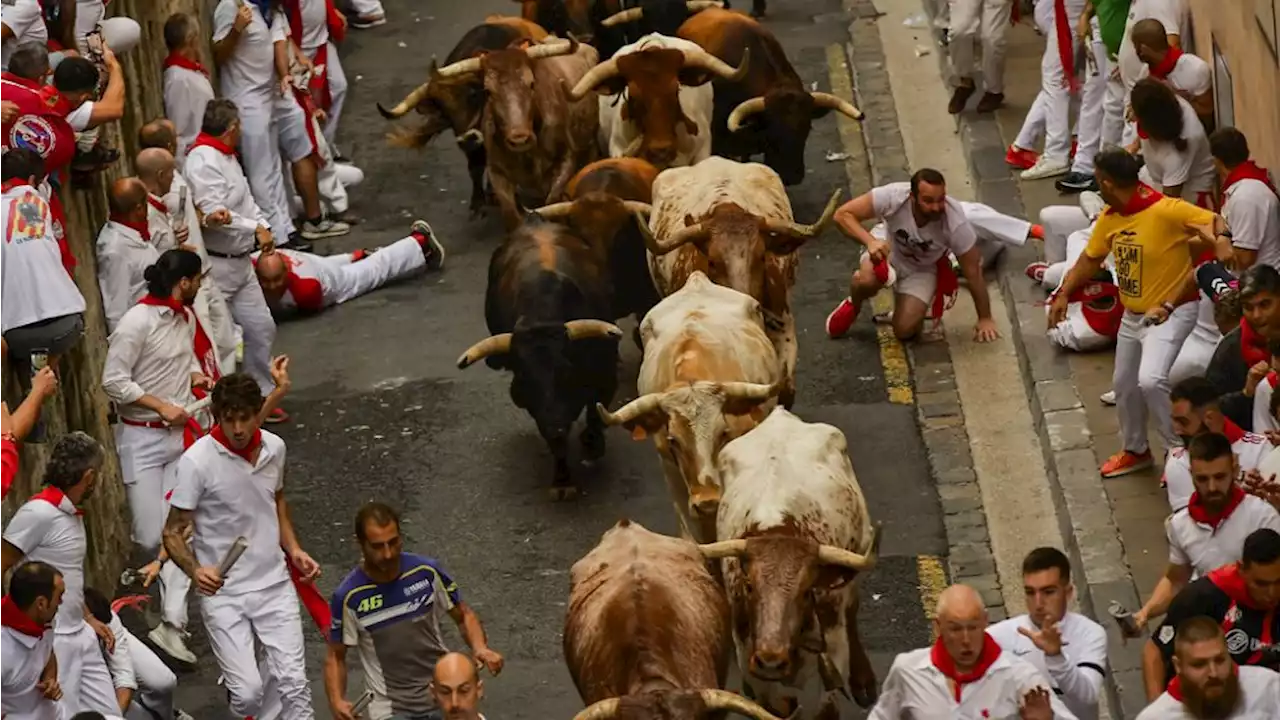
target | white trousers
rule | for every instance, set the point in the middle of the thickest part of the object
(1113, 123)
(1093, 96)
(1197, 349)
(215, 317)
(1050, 113)
(260, 153)
(337, 89)
(156, 682)
(400, 259)
(994, 226)
(271, 616)
(83, 674)
(985, 23)
(1144, 356)
(240, 288)
(367, 7)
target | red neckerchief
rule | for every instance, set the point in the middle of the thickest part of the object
(12, 183)
(943, 661)
(54, 497)
(157, 204)
(140, 227)
(1175, 685)
(1066, 45)
(1161, 70)
(247, 453)
(1271, 378)
(1253, 347)
(206, 140)
(1198, 512)
(1248, 170)
(1233, 431)
(172, 303)
(1143, 197)
(1232, 584)
(173, 59)
(12, 617)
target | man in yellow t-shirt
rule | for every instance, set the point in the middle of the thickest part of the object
(1156, 241)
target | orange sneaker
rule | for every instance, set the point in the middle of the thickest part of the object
(1125, 462)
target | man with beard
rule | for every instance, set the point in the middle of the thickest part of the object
(1197, 411)
(1241, 597)
(924, 224)
(1209, 685)
(30, 688)
(1154, 241)
(1244, 349)
(965, 673)
(50, 528)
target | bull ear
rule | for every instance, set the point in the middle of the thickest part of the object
(689, 221)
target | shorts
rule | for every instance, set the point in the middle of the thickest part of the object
(919, 284)
(291, 123)
(55, 336)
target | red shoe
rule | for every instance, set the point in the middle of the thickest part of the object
(1037, 232)
(1035, 271)
(1125, 462)
(841, 319)
(1021, 159)
(277, 416)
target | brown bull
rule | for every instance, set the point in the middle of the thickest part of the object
(456, 103)
(646, 635)
(535, 137)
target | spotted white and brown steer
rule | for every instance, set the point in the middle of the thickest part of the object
(795, 533)
(646, 634)
(733, 221)
(708, 376)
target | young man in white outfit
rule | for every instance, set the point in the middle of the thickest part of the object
(1209, 684)
(1172, 14)
(234, 227)
(1196, 411)
(1093, 131)
(231, 483)
(312, 37)
(50, 528)
(1250, 201)
(30, 689)
(965, 673)
(1189, 75)
(974, 24)
(21, 22)
(1066, 647)
(124, 249)
(187, 89)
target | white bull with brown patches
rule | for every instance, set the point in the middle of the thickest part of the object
(733, 221)
(709, 375)
(795, 532)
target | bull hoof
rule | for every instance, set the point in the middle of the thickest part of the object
(562, 493)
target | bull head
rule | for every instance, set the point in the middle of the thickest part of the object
(712, 700)
(698, 59)
(501, 344)
(781, 236)
(636, 13)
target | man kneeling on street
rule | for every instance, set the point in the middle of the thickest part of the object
(293, 280)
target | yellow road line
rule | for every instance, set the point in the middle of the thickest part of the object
(933, 580)
(893, 356)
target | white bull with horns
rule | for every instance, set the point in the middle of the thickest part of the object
(709, 375)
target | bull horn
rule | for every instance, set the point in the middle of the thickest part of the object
(750, 391)
(602, 710)
(626, 16)
(680, 238)
(808, 231)
(635, 206)
(827, 100)
(711, 63)
(633, 410)
(694, 6)
(633, 148)
(462, 67)
(831, 555)
(723, 549)
(472, 134)
(546, 50)
(587, 328)
(745, 109)
(725, 700)
(596, 75)
(492, 345)
(555, 210)
(409, 102)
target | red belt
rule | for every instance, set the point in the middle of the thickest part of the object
(153, 424)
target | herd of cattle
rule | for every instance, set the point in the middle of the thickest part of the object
(677, 227)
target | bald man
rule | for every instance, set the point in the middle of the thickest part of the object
(1189, 75)
(457, 687)
(293, 280)
(125, 249)
(965, 673)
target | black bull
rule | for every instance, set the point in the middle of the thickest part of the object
(547, 296)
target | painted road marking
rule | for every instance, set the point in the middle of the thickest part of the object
(933, 580)
(893, 356)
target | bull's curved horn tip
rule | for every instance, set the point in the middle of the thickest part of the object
(385, 112)
(464, 361)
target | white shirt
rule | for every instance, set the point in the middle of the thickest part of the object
(54, 534)
(1204, 548)
(88, 14)
(249, 76)
(1172, 15)
(151, 352)
(1252, 212)
(1191, 168)
(916, 690)
(1250, 450)
(230, 499)
(120, 662)
(34, 285)
(919, 248)
(218, 183)
(26, 20)
(123, 257)
(160, 226)
(179, 202)
(24, 658)
(1259, 698)
(1077, 672)
(1190, 74)
(186, 93)
(315, 24)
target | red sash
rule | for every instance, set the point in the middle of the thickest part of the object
(1066, 45)
(303, 97)
(319, 84)
(944, 296)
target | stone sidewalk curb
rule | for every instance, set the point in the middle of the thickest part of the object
(1085, 519)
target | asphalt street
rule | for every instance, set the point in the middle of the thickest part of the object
(380, 411)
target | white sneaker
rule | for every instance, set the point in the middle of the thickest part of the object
(1092, 204)
(172, 642)
(326, 228)
(1108, 398)
(1045, 168)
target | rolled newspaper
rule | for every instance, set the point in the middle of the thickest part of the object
(233, 554)
(363, 703)
(198, 405)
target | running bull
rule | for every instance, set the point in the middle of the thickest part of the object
(733, 221)
(456, 103)
(795, 532)
(545, 306)
(708, 376)
(770, 111)
(665, 115)
(646, 634)
(535, 136)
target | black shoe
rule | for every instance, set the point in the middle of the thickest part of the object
(1076, 182)
(297, 243)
